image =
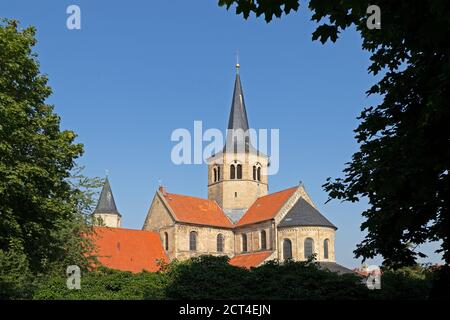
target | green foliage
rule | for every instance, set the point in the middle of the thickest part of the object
(106, 284)
(404, 157)
(403, 164)
(16, 280)
(208, 277)
(440, 289)
(44, 196)
(35, 156)
(303, 280)
(268, 8)
(407, 283)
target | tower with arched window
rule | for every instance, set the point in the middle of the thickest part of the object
(237, 175)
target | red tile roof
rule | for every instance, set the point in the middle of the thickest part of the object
(128, 250)
(265, 208)
(196, 210)
(249, 260)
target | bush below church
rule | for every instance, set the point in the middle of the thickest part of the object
(208, 277)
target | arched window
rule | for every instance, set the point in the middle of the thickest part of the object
(218, 173)
(309, 244)
(287, 249)
(257, 172)
(232, 172)
(220, 242)
(215, 174)
(263, 240)
(166, 241)
(239, 171)
(193, 241)
(325, 248)
(244, 242)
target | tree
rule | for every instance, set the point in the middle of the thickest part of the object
(16, 280)
(402, 166)
(43, 202)
(209, 277)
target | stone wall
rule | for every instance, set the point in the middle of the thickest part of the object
(298, 235)
(110, 220)
(159, 219)
(206, 241)
(253, 233)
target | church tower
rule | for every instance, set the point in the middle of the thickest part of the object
(106, 213)
(237, 175)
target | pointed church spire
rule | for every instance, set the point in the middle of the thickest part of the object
(106, 203)
(238, 113)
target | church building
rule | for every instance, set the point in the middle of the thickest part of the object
(239, 218)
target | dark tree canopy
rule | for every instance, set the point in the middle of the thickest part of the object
(402, 166)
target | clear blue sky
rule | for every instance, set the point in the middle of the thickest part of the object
(137, 70)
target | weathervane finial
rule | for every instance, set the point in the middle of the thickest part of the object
(237, 62)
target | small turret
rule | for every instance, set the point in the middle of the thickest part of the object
(106, 213)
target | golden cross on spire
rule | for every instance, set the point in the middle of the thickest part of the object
(237, 62)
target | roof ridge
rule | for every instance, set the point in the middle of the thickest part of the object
(198, 198)
(270, 194)
(187, 196)
(256, 252)
(275, 205)
(125, 229)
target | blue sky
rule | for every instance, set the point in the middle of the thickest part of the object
(137, 70)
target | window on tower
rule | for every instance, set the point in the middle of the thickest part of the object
(216, 173)
(232, 172)
(239, 171)
(257, 172)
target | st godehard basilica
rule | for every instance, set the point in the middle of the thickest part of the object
(240, 218)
